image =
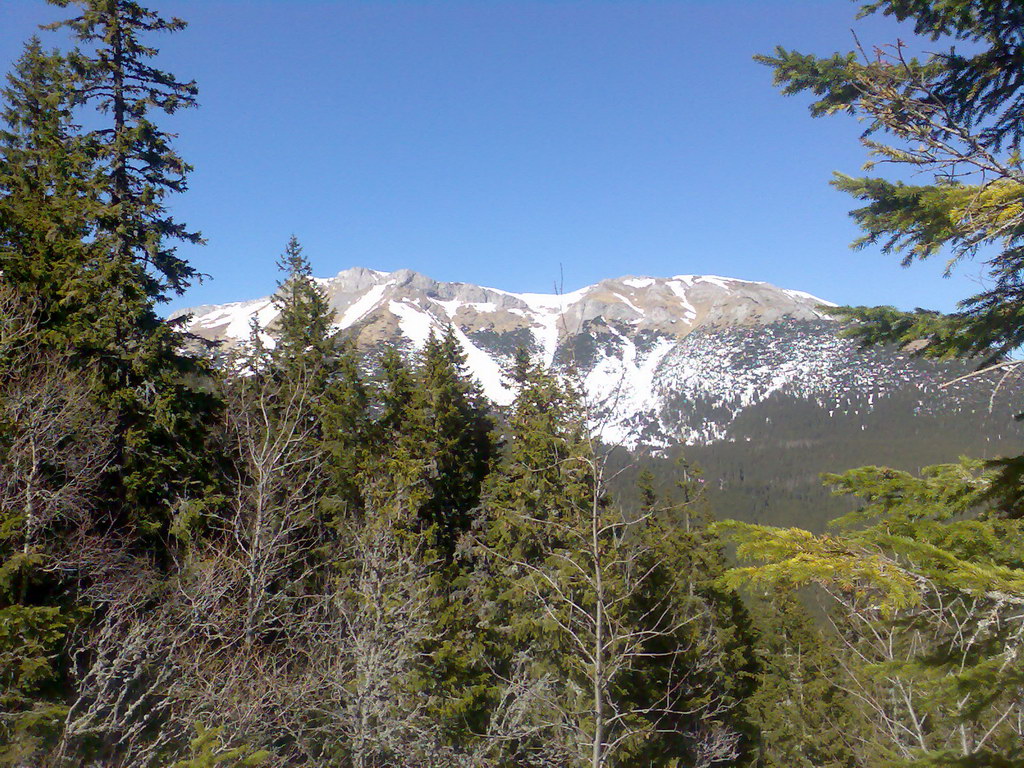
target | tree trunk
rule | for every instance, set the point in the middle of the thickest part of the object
(119, 188)
(597, 758)
(31, 516)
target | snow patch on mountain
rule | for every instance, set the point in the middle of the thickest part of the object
(487, 371)
(364, 305)
(415, 324)
(662, 360)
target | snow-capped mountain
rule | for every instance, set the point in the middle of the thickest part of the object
(663, 360)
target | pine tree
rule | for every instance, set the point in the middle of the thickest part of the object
(803, 707)
(436, 439)
(53, 429)
(347, 433)
(434, 449)
(106, 420)
(47, 211)
(952, 117)
(393, 478)
(309, 350)
(286, 419)
(84, 230)
(929, 574)
(303, 331)
(113, 75)
(713, 639)
(457, 437)
(607, 635)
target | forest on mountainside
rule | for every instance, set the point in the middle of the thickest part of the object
(771, 472)
(291, 555)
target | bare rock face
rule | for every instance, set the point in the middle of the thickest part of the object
(373, 304)
(663, 360)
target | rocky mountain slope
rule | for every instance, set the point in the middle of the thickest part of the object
(688, 359)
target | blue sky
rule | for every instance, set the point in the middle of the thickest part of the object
(520, 144)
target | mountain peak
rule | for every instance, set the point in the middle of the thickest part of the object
(663, 360)
(675, 306)
(623, 327)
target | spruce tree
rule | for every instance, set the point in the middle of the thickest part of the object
(393, 478)
(309, 352)
(605, 629)
(47, 207)
(85, 230)
(434, 448)
(53, 445)
(457, 438)
(928, 572)
(80, 243)
(436, 437)
(114, 76)
(301, 418)
(347, 433)
(803, 706)
(303, 331)
(713, 637)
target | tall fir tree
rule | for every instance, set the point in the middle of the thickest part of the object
(47, 177)
(435, 447)
(347, 431)
(604, 630)
(99, 356)
(437, 436)
(56, 408)
(458, 438)
(308, 350)
(95, 245)
(303, 332)
(43, 220)
(113, 75)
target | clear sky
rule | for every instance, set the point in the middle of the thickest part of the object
(517, 144)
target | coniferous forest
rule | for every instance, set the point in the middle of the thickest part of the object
(299, 554)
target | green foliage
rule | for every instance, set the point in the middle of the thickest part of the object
(47, 173)
(436, 439)
(104, 419)
(928, 569)
(954, 116)
(429, 451)
(919, 566)
(609, 627)
(112, 73)
(84, 232)
(456, 433)
(31, 641)
(546, 473)
(208, 750)
(805, 715)
(303, 329)
(910, 528)
(714, 635)
(357, 573)
(347, 431)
